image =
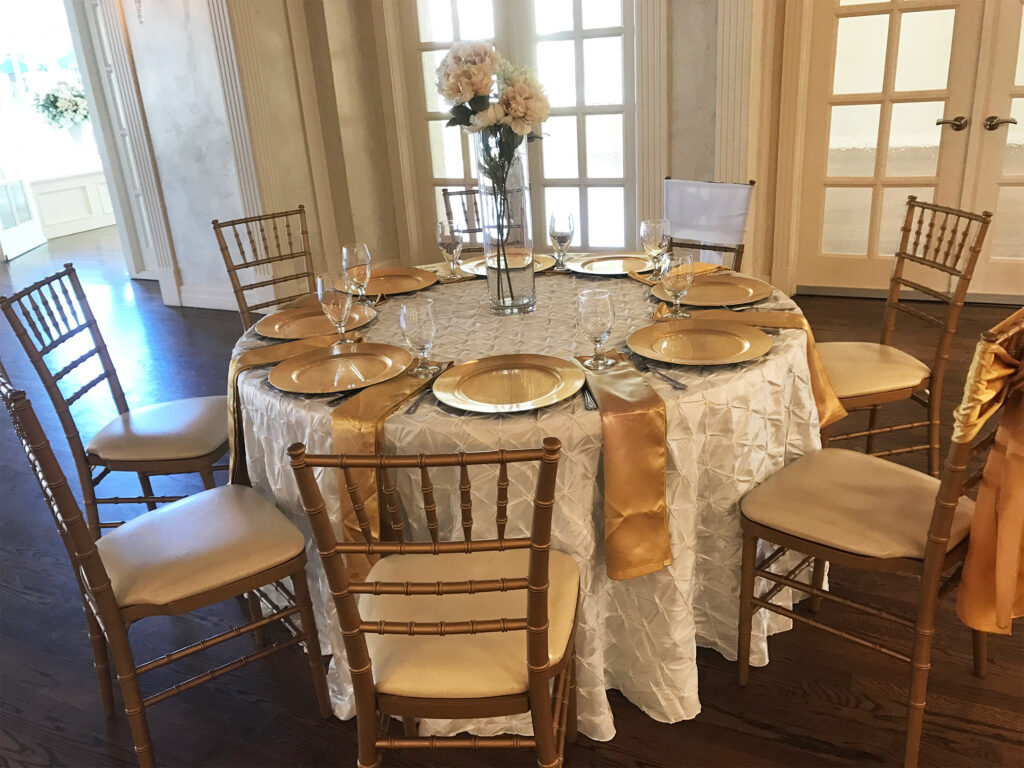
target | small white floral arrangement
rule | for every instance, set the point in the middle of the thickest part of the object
(63, 106)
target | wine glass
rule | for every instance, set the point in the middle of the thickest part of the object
(655, 237)
(560, 230)
(595, 316)
(335, 300)
(677, 279)
(355, 264)
(416, 319)
(449, 240)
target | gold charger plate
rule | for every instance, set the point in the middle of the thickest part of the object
(477, 265)
(609, 264)
(509, 383)
(339, 368)
(720, 291)
(398, 280)
(305, 322)
(699, 342)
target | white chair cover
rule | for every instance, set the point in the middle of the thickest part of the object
(707, 212)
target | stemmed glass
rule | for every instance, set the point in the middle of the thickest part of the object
(335, 300)
(449, 240)
(560, 230)
(595, 316)
(355, 264)
(677, 279)
(416, 319)
(656, 237)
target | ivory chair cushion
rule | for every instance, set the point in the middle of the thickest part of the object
(180, 429)
(854, 502)
(199, 543)
(463, 666)
(858, 368)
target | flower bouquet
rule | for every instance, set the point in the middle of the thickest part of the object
(500, 103)
(64, 106)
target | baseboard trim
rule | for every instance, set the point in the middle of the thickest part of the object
(881, 293)
(207, 297)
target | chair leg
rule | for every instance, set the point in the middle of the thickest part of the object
(316, 663)
(543, 723)
(410, 728)
(872, 421)
(147, 489)
(255, 614)
(746, 606)
(128, 677)
(980, 646)
(919, 668)
(208, 479)
(817, 581)
(573, 715)
(100, 661)
(934, 423)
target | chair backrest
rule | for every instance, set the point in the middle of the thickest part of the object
(252, 255)
(55, 325)
(462, 208)
(89, 571)
(942, 240)
(536, 581)
(710, 213)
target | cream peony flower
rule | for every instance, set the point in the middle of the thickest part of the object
(467, 70)
(493, 115)
(522, 97)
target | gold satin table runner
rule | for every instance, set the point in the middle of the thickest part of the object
(991, 591)
(830, 409)
(635, 439)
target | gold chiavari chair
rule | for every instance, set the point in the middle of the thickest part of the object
(866, 513)
(55, 324)
(708, 215)
(201, 550)
(248, 250)
(438, 630)
(469, 224)
(866, 375)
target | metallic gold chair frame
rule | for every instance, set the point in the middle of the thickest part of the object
(552, 708)
(45, 316)
(943, 247)
(469, 201)
(932, 569)
(253, 254)
(108, 622)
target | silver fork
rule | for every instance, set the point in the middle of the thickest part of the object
(644, 367)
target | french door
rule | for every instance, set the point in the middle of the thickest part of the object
(897, 105)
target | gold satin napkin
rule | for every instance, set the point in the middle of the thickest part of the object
(992, 586)
(357, 426)
(700, 268)
(634, 434)
(830, 409)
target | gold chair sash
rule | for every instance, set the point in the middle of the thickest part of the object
(634, 433)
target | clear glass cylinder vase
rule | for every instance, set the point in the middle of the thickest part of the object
(504, 184)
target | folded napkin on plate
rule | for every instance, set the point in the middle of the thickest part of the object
(634, 433)
(700, 268)
(830, 410)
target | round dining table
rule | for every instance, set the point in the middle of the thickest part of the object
(730, 429)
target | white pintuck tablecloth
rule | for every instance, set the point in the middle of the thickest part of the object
(732, 428)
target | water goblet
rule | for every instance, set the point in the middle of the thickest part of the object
(335, 300)
(416, 319)
(561, 229)
(595, 316)
(656, 237)
(449, 240)
(677, 279)
(355, 264)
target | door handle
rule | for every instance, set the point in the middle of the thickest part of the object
(994, 121)
(957, 123)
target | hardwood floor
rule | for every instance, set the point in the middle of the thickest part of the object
(819, 702)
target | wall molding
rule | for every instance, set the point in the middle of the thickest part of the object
(208, 297)
(652, 105)
(732, 89)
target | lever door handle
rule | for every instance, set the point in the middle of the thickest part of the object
(957, 123)
(994, 121)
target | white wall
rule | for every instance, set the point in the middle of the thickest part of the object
(693, 36)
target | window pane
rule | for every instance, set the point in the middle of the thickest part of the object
(1013, 158)
(563, 200)
(1008, 226)
(552, 16)
(606, 213)
(431, 59)
(556, 69)
(852, 140)
(860, 54)
(926, 38)
(914, 139)
(476, 19)
(435, 20)
(445, 151)
(604, 146)
(894, 211)
(602, 70)
(602, 13)
(559, 148)
(847, 216)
